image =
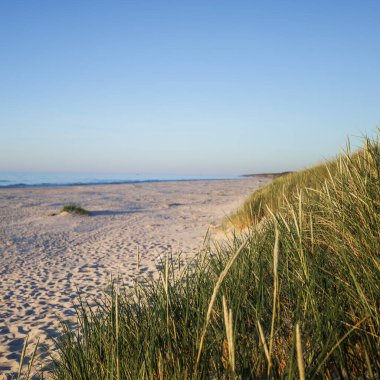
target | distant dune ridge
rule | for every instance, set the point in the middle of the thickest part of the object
(267, 175)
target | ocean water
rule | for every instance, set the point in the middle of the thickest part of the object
(34, 179)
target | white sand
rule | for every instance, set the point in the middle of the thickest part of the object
(44, 258)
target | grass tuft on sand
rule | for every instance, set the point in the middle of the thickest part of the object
(295, 295)
(74, 210)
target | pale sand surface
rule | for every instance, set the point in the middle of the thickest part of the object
(44, 259)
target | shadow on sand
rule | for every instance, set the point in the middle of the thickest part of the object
(112, 212)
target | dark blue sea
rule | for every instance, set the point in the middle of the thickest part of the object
(38, 179)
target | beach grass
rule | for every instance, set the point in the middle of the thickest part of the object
(295, 294)
(74, 210)
(279, 194)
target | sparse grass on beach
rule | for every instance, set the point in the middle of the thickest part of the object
(74, 210)
(296, 298)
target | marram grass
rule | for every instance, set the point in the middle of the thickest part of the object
(296, 296)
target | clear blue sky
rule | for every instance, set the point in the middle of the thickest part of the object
(190, 88)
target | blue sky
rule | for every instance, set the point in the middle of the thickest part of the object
(185, 88)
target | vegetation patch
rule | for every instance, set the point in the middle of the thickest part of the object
(266, 175)
(282, 192)
(74, 210)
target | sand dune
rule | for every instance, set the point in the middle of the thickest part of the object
(45, 259)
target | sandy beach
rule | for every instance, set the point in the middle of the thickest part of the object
(44, 258)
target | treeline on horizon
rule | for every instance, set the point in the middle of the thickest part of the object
(294, 293)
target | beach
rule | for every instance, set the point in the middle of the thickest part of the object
(46, 258)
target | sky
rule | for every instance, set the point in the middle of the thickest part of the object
(185, 87)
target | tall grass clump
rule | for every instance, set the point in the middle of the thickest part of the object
(279, 193)
(297, 297)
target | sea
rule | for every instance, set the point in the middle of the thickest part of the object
(49, 179)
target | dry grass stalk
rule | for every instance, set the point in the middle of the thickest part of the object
(229, 333)
(214, 295)
(301, 367)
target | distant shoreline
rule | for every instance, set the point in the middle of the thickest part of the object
(102, 183)
(267, 175)
(9, 184)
